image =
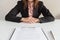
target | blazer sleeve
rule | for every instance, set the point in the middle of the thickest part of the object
(12, 15)
(47, 16)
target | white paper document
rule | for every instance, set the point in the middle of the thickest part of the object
(28, 34)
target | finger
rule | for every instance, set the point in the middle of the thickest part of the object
(32, 20)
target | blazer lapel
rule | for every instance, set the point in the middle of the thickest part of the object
(35, 12)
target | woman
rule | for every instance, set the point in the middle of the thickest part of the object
(30, 11)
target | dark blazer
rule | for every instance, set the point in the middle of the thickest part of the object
(12, 15)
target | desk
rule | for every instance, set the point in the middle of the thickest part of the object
(56, 30)
(6, 28)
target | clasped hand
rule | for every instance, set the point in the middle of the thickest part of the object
(30, 20)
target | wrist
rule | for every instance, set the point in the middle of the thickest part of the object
(22, 19)
(38, 20)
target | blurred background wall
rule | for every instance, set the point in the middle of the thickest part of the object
(7, 5)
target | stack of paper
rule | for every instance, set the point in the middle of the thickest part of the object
(28, 34)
